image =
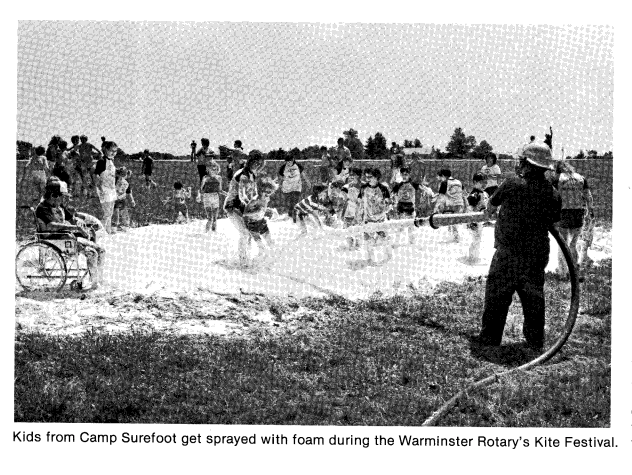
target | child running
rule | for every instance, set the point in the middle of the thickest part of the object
(336, 200)
(291, 174)
(450, 198)
(375, 200)
(353, 207)
(312, 207)
(242, 190)
(210, 189)
(426, 200)
(124, 199)
(343, 169)
(179, 197)
(255, 216)
(405, 195)
(476, 201)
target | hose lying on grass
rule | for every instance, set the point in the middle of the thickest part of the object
(548, 354)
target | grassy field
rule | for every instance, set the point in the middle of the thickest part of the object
(383, 361)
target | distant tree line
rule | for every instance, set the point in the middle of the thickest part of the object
(376, 148)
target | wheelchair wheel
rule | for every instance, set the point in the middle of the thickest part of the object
(40, 266)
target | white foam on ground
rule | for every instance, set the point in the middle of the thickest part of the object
(183, 257)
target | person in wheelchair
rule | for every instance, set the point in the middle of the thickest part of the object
(55, 220)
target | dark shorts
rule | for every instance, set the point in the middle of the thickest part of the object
(571, 218)
(490, 190)
(405, 208)
(120, 204)
(257, 228)
(234, 205)
(201, 171)
(180, 208)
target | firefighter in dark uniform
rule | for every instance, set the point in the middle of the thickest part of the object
(529, 205)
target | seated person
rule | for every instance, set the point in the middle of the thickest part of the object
(54, 217)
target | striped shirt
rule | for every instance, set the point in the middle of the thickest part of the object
(310, 205)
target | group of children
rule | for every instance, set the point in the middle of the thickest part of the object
(354, 197)
(346, 197)
(350, 197)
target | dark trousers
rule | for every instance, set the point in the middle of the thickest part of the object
(510, 272)
(201, 171)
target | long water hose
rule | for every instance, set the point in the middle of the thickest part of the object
(439, 220)
(548, 354)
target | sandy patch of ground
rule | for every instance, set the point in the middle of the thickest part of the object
(178, 278)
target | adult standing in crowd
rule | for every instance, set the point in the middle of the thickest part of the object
(193, 149)
(241, 191)
(105, 177)
(62, 165)
(52, 151)
(86, 151)
(577, 203)
(529, 206)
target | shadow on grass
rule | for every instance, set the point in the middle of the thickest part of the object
(510, 355)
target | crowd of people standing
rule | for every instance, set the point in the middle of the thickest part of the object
(349, 194)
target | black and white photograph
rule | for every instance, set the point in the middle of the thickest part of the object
(289, 227)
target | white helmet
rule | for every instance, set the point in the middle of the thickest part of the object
(539, 155)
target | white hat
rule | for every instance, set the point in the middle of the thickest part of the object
(539, 155)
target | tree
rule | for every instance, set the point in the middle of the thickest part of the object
(608, 155)
(417, 143)
(295, 153)
(408, 143)
(350, 134)
(370, 147)
(580, 155)
(592, 154)
(23, 150)
(482, 150)
(354, 144)
(381, 150)
(459, 144)
(311, 152)
(281, 154)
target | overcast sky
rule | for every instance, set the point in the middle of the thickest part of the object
(160, 85)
